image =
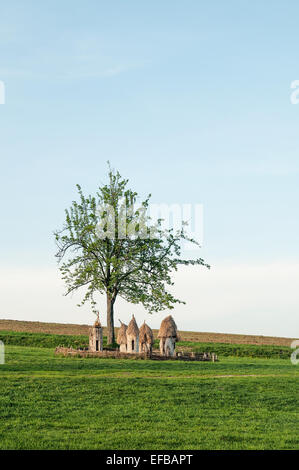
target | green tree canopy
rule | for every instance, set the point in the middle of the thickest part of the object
(113, 248)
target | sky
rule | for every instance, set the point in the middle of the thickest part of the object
(190, 101)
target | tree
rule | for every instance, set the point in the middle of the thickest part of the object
(112, 248)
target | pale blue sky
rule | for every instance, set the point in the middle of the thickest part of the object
(189, 100)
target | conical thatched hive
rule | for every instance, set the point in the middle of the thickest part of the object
(168, 335)
(122, 337)
(133, 337)
(146, 339)
(96, 336)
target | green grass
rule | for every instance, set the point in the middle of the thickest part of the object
(242, 350)
(50, 402)
(45, 340)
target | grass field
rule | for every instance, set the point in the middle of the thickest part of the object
(43, 340)
(50, 402)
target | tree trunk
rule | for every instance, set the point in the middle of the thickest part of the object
(110, 320)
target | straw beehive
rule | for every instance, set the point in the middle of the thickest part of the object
(133, 336)
(146, 338)
(168, 335)
(97, 323)
(96, 336)
(122, 337)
